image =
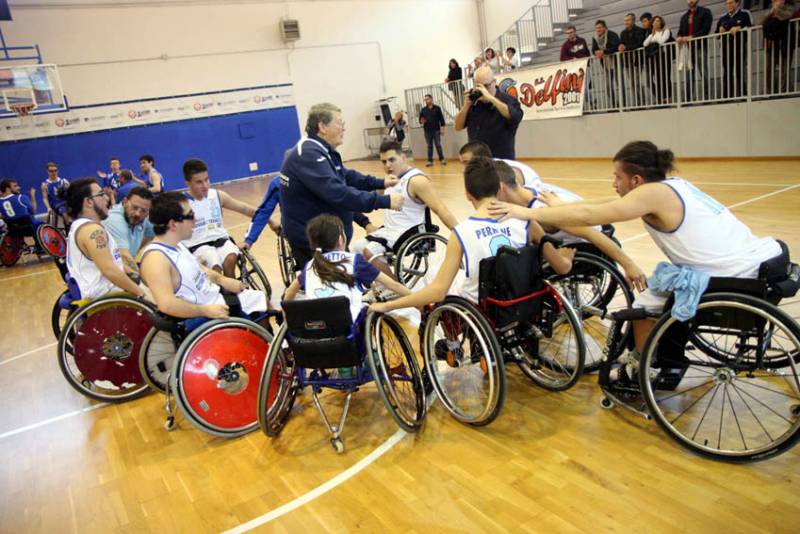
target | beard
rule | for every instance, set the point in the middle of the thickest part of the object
(102, 213)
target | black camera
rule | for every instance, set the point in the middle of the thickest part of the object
(474, 95)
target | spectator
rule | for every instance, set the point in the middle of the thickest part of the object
(574, 47)
(659, 60)
(128, 224)
(778, 45)
(432, 120)
(315, 181)
(492, 60)
(473, 67)
(693, 56)
(493, 118)
(126, 182)
(647, 21)
(604, 44)
(453, 81)
(396, 129)
(511, 61)
(734, 48)
(632, 39)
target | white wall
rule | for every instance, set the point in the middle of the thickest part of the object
(109, 52)
(500, 14)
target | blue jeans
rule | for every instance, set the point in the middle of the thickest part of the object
(430, 139)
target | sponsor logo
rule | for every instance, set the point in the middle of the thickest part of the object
(133, 114)
(59, 123)
(567, 85)
(62, 123)
(198, 106)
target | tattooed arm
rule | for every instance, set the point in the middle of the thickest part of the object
(93, 242)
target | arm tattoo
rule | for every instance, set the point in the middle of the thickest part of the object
(99, 238)
(130, 264)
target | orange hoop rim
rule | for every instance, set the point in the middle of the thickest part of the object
(22, 110)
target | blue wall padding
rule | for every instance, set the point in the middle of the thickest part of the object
(228, 143)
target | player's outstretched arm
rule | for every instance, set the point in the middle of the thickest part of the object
(422, 188)
(635, 276)
(228, 202)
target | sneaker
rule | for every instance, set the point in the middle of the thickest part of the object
(429, 164)
(443, 162)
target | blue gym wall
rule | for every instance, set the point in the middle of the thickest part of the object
(228, 143)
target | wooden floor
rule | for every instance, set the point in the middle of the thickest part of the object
(551, 462)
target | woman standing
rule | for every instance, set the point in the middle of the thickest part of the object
(453, 81)
(659, 60)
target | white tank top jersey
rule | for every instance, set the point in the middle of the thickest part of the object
(710, 239)
(90, 280)
(194, 286)
(364, 273)
(482, 238)
(529, 176)
(413, 212)
(564, 194)
(207, 219)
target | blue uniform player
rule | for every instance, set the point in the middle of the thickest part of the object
(126, 183)
(110, 181)
(17, 209)
(56, 207)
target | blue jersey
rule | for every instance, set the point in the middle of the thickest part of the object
(124, 189)
(264, 211)
(52, 192)
(111, 181)
(16, 207)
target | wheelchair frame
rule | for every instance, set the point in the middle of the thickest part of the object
(13, 246)
(286, 261)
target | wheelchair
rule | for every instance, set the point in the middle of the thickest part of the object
(314, 344)
(416, 250)
(249, 272)
(520, 318)
(595, 288)
(726, 383)
(14, 242)
(286, 261)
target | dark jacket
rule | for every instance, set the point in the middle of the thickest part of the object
(314, 181)
(702, 23)
(574, 49)
(434, 118)
(633, 38)
(484, 123)
(612, 43)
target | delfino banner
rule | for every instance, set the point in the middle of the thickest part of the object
(549, 92)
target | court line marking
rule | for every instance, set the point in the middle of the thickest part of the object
(27, 275)
(33, 426)
(323, 488)
(18, 356)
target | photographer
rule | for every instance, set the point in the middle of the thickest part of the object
(490, 115)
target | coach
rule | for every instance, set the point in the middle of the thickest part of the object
(314, 181)
(493, 118)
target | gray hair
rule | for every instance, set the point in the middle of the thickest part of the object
(320, 113)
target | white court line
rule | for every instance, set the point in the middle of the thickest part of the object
(27, 275)
(18, 356)
(51, 420)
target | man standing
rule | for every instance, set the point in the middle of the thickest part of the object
(128, 225)
(734, 48)
(631, 39)
(604, 44)
(646, 19)
(490, 115)
(314, 181)
(696, 22)
(574, 47)
(432, 120)
(150, 177)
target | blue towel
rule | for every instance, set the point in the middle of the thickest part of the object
(687, 284)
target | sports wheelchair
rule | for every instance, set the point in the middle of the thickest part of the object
(726, 383)
(520, 318)
(249, 271)
(595, 288)
(13, 243)
(317, 342)
(416, 250)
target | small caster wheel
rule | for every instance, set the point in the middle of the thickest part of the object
(338, 445)
(85, 383)
(169, 424)
(607, 403)
(796, 409)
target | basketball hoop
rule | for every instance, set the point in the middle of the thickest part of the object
(22, 109)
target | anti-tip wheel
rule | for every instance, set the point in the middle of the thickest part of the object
(169, 424)
(607, 403)
(338, 445)
(796, 409)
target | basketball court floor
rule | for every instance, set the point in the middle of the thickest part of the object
(552, 462)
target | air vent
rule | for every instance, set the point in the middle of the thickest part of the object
(290, 30)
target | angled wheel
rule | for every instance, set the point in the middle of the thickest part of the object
(278, 386)
(394, 367)
(736, 409)
(595, 288)
(464, 362)
(418, 258)
(286, 261)
(252, 275)
(59, 314)
(554, 357)
(99, 346)
(11, 249)
(215, 376)
(52, 241)
(157, 357)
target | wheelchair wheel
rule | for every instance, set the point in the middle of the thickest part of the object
(417, 258)
(99, 346)
(157, 358)
(555, 359)
(59, 316)
(214, 377)
(394, 367)
(464, 362)
(11, 249)
(252, 275)
(595, 288)
(278, 386)
(286, 261)
(731, 409)
(52, 241)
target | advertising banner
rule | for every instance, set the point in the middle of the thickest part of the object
(549, 92)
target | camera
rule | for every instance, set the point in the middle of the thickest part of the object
(474, 95)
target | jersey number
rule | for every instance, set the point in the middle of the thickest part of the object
(9, 209)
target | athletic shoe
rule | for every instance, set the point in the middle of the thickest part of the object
(443, 162)
(429, 164)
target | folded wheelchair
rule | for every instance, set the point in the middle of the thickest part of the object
(320, 347)
(726, 383)
(520, 317)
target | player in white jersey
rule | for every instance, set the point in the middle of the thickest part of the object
(691, 228)
(476, 238)
(333, 271)
(181, 286)
(93, 259)
(209, 241)
(418, 195)
(526, 176)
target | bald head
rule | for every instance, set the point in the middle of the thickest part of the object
(484, 75)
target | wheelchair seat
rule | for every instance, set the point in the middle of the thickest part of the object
(22, 227)
(321, 333)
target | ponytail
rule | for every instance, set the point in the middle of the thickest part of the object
(331, 272)
(323, 232)
(645, 159)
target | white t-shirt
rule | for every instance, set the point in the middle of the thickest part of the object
(355, 265)
(90, 280)
(208, 224)
(413, 212)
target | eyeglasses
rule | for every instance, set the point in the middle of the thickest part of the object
(52, 170)
(98, 194)
(185, 217)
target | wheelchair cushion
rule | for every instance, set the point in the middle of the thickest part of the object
(321, 332)
(21, 228)
(510, 277)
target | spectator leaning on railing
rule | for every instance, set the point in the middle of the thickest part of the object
(604, 44)
(779, 44)
(734, 48)
(632, 39)
(696, 22)
(659, 60)
(574, 47)
(453, 81)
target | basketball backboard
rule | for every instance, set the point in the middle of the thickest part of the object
(37, 87)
